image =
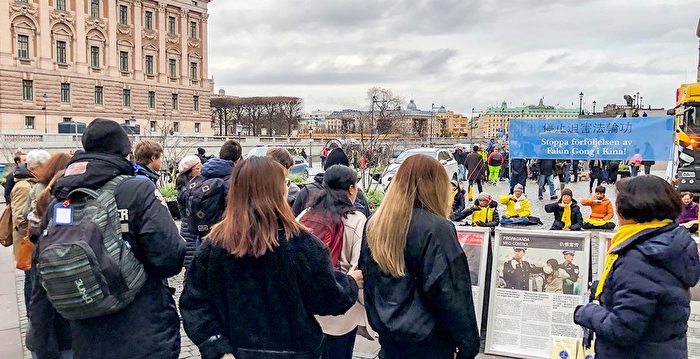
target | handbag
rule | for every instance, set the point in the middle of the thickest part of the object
(24, 254)
(6, 227)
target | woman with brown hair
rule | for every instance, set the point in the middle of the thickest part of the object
(417, 285)
(40, 197)
(259, 277)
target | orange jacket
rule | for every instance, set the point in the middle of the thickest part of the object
(600, 210)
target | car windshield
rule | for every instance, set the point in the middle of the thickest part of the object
(258, 152)
(408, 154)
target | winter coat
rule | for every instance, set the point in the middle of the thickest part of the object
(600, 210)
(481, 216)
(475, 167)
(576, 217)
(149, 326)
(191, 237)
(308, 192)
(218, 168)
(546, 167)
(645, 304)
(292, 193)
(495, 159)
(460, 157)
(596, 168)
(433, 297)
(142, 171)
(511, 211)
(459, 203)
(518, 170)
(24, 182)
(689, 213)
(9, 184)
(266, 303)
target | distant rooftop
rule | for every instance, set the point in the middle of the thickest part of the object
(540, 108)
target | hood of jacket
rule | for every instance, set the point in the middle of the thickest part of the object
(217, 168)
(91, 170)
(318, 178)
(22, 172)
(143, 171)
(672, 248)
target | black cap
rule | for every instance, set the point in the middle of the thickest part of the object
(336, 157)
(106, 136)
(568, 252)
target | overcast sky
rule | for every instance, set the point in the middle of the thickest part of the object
(463, 54)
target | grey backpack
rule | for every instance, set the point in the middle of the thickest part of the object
(87, 269)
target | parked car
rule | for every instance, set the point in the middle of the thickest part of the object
(440, 154)
(300, 167)
(261, 150)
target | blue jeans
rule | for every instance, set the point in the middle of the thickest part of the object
(515, 220)
(541, 182)
(567, 173)
(461, 173)
(634, 170)
(339, 347)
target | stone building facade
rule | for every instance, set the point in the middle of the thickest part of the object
(136, 61)
(494, 121)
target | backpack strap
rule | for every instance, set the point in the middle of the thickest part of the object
(110, 186)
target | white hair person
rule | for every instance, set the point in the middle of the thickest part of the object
(36, 158)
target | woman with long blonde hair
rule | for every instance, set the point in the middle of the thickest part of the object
(257, 281)
(416, 277)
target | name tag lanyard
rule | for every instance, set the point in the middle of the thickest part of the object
(63, 213)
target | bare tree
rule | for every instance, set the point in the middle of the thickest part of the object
(291, 108)
(384, 105)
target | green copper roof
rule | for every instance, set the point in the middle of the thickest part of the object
(540, 108)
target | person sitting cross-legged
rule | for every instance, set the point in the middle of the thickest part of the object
(484, 212)
(567, 213)
(602, 211)
(517, 207)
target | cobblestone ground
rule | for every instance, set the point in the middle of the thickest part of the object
(364, 348)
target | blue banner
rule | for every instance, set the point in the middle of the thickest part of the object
(622, 138)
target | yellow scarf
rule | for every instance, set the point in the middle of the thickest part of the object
(452, 199)
(566, 216)
(624, 233)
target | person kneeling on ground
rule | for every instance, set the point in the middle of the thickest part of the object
(689, 212)
(517, 207)
(458, 202)
(567, 213)
(484, 212)
(602, 211)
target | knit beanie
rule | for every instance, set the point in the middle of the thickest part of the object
(518, 187)
(567, 191)
(187, 163)
(336, 157)
(106, 136)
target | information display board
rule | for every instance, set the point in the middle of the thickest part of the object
(475, 243)
(694, 320)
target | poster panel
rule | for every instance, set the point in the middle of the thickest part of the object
(475, 243)
(694, 320)
(604, 239)
(537, 280)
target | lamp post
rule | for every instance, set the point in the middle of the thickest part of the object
(46, 121)
(580, 103)
(594, 107)
(311, 161)
(637, 99)
(640, 101)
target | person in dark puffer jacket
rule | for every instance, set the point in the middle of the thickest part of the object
(644, 290)
(189, 168)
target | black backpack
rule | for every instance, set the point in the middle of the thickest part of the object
(206, 202)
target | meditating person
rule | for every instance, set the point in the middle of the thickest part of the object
(517, 207)
(602, 211)
(484, 212)
(567, 213)
(689, 212)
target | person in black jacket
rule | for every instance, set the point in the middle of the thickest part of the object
(518, 170)
(484, 212)
(149, 326)
(417, 283)
(644, 291)
(546, 169)
(148, 160)
(458, 201)
(567, 213)
(260, 277)
(597, 168)
(20, 159)
(189, 168)
(336, 157)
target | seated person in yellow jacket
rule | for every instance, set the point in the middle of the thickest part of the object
(484, 212)
(602, 211)
(517, 207)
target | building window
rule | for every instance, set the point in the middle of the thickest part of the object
(99, 95)
(123, 15)
(195, 101)
(149, 64)
(27, 90)
(193, 29)
(29, 122)
(171, 25)
(95, 56)
(176, 127)
(175, 101)
(65, 93)
(126, 98)
(151, 99)
(61, 52)
(95, 8)
(172, 66)
(196, 127)
(149, 20)
(123, 61)
(152, 125)
(61, 5)
(23, 47)
(193, 71)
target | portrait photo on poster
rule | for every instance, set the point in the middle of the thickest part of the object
(536, 264)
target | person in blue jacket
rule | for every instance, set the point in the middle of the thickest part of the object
(644, 290)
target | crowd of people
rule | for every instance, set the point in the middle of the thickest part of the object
(275, 271)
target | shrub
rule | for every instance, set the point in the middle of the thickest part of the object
(374, 199)
(297, 179)
(169, 192)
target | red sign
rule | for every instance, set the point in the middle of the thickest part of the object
(470, 238)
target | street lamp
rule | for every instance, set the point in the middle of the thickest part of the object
(640, 101)
(594, 107)
(580, 103)
(311, 161)
(46, 122)
(637, 99)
